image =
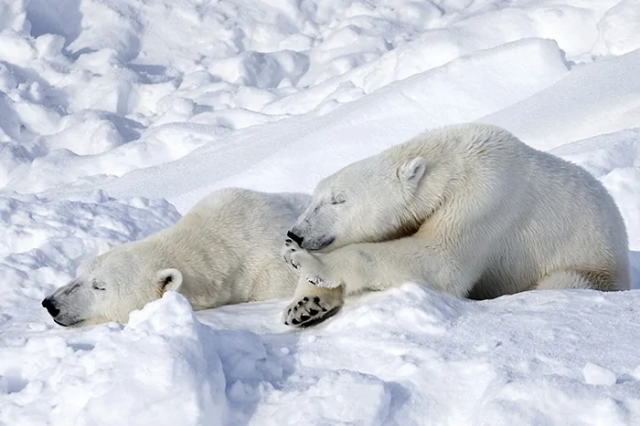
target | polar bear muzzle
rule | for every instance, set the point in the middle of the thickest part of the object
(64, 319)
(311, 244)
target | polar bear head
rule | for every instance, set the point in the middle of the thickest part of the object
(366, 201)
(110, 286)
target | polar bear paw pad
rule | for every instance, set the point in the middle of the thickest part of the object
(309, 311)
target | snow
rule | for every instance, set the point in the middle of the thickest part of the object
(117, 116)
(602, 97)
(596, 375)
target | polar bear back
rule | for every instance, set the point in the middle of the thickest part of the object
(523, 214)
(227, 246)
(569, 221)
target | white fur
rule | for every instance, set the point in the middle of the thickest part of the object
(467, 209)
(225, 250)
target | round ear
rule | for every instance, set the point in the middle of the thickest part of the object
(411, 172)
(169, 279)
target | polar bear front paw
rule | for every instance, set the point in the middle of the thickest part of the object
(290, 248)
(314, 270)
(311, 310)
(298, 257)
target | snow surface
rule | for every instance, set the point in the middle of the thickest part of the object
(118, 115)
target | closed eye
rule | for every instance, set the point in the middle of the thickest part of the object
(338, 199)
(97, 287)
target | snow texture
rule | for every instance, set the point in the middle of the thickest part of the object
(116, 116)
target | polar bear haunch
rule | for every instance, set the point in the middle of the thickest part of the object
(468, 209)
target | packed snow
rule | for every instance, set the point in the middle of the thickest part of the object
(117, 116)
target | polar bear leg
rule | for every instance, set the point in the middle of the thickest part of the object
(312, 304)
(564, 280)
(379, 266)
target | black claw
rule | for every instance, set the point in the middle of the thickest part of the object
(295, 308)
(305, 299)
(286, 323)
(320, 318)
(313, 312)
(299, 303)
(316, 300)
(324, 309)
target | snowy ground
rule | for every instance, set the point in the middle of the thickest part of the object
(118, 115)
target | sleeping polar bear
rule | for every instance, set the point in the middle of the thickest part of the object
(467, 209)
(225, 250)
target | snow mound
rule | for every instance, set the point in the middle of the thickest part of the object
(620, 27)
(164, 357)
(603, 97)
(525, 359)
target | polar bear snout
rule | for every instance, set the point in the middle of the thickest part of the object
(295, 237)
(50, 305)
(311, 244)
(53, 308)
(69, 304)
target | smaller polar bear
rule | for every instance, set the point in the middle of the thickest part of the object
(469, 210)
(226, 250)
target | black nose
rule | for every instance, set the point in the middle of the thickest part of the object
(50, 307)
(295, 238)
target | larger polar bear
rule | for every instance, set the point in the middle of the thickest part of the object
(467, 209)
(225, 250)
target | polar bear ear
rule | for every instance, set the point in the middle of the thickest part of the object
(169, 279)
(411, 172)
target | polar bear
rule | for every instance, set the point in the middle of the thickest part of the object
(467, 209)
(225, 250)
